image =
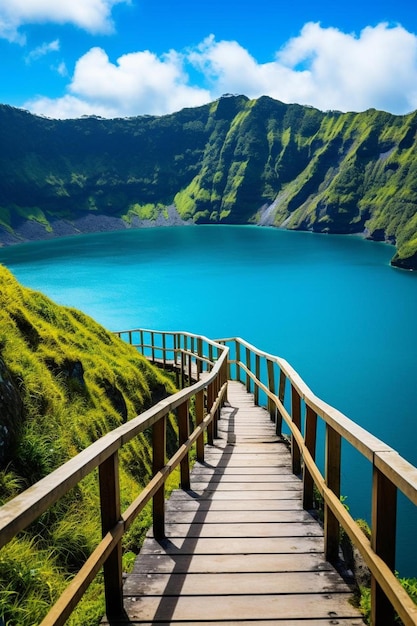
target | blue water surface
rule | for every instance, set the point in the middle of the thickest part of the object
(330, 305)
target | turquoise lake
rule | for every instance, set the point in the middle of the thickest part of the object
(330, 305)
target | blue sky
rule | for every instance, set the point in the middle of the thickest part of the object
(119, 58)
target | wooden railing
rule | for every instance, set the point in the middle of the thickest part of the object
(187, 353)
(270, 378)
(273, 377)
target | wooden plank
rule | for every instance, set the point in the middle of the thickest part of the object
(251, 545)
(226, 563)
(231, 607)
(272, 488)
(235, 583)
(235, 517)
(268, 504)
(288, 494)
(350, 621)
(246, 461)
(245, 530)
(231, 475)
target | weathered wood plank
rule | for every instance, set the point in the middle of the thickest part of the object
(210, 517)
(280, 622)
(273, 488)
(231, 475)
(226, 563)
(245, 530)
(287, 494)
(232, 607)
(263, 583)
(230, 545)
(183, 501)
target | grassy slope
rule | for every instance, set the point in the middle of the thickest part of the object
(75, 381)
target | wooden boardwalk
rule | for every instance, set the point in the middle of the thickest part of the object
(239, 548)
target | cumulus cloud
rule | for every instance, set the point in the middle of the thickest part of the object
(91, 15)
(138, 83)
(68, 107)
(342, 71)
(322, 67)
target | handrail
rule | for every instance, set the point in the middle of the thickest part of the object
(192, 354)
(390, 473)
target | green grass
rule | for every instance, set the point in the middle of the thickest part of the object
(75, 382)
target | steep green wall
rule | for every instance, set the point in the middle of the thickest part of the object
(233, 161)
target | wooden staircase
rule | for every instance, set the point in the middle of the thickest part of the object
(239, 548)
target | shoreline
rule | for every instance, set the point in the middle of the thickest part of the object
(33, 231)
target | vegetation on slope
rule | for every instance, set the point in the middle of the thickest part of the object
(64, 382)
(232, 161)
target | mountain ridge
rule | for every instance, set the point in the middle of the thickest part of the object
(233, 161)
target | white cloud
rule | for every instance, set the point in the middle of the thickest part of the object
(62, 69)
(91, 15)
(322, 67)
(68, 107)
(41, 51)
(138, 83)
(377, 69)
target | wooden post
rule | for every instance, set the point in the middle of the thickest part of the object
(182, 365)
(310, 442)
(216, 414)
(164, 349)
(210, 401)
(237, 360)
(110, 516)
(271, 387)
(183, 434)
(199, 415)
(200, 353)
(224, 379)
(177, 377)
(210, 347)
(333, 460)
(158, 462)
(296, 418)
(281, 397)
(190, 374)
(248, 366)
(384, 520)
(153, 346)
(282, 380)
(258, 376)
(142, 342)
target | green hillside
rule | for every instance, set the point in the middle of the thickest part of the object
(64, 382)
(232, 161)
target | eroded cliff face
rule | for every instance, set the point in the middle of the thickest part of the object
(232, 161)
